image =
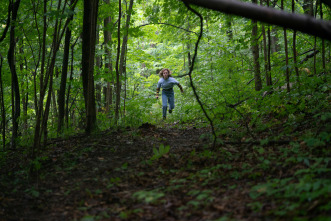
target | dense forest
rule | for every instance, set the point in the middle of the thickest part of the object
(82, 133)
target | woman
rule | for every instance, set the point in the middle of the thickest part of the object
(167, 83)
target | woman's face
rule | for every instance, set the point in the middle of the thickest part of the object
(165, 74)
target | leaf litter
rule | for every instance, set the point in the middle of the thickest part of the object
(115, 175)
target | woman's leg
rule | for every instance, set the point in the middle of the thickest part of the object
(164, 104)
(171, 98)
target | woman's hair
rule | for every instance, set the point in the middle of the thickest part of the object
(164, 69)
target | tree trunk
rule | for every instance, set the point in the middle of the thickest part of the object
(54, 107)
(122, 67)
(69, 86)
(16, 100)
(88, 55)
(188, 46)
(39, 109)
(266, 53)
(108, 61)
(98, 63)
(45, 80)
(323, 42)
(118, 80)
(294, 47)
(25, 93)
(3, 110)
(49, 78)
(255, 51)
(287, 73)
(61, 95)
(269, 50)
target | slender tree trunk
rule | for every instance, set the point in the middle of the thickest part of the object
(286, 55)
(184, 56)
(269, 52)
(255, 51)
(125, 86)
(3, 110)
(98, 63)
(210, 57)
(229, 34)
(125, 39)
(69, 86)
(25, 93)
(265, 54)
(294, 47)
(15, 86)
(108, 61)
(47, 107)
(39, 109)
(122, 68)
(118, 80)
(45, 77)
(49, 78)
(88, 55)
(323, 42)
(61, 95)
(54, 107)
(188, 46)
(63, 84)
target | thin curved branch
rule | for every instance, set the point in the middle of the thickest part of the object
(191, 69)
(169, 25)
(7, 24)
(183, 75)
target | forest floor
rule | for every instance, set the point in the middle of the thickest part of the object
(130, 174)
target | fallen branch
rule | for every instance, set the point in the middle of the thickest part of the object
(303, 23)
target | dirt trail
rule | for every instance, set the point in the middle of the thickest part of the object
(116, 175)
(82, 175)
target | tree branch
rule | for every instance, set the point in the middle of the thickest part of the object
(169, 25)
(7, 24)
(183, 75)
(309, 56)
(191, 69)
(303, 23)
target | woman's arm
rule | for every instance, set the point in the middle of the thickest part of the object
(180, 87)
(157, 92)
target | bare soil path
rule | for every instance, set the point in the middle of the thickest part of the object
(131, 175)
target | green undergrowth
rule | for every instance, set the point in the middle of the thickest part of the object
(280, 182)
